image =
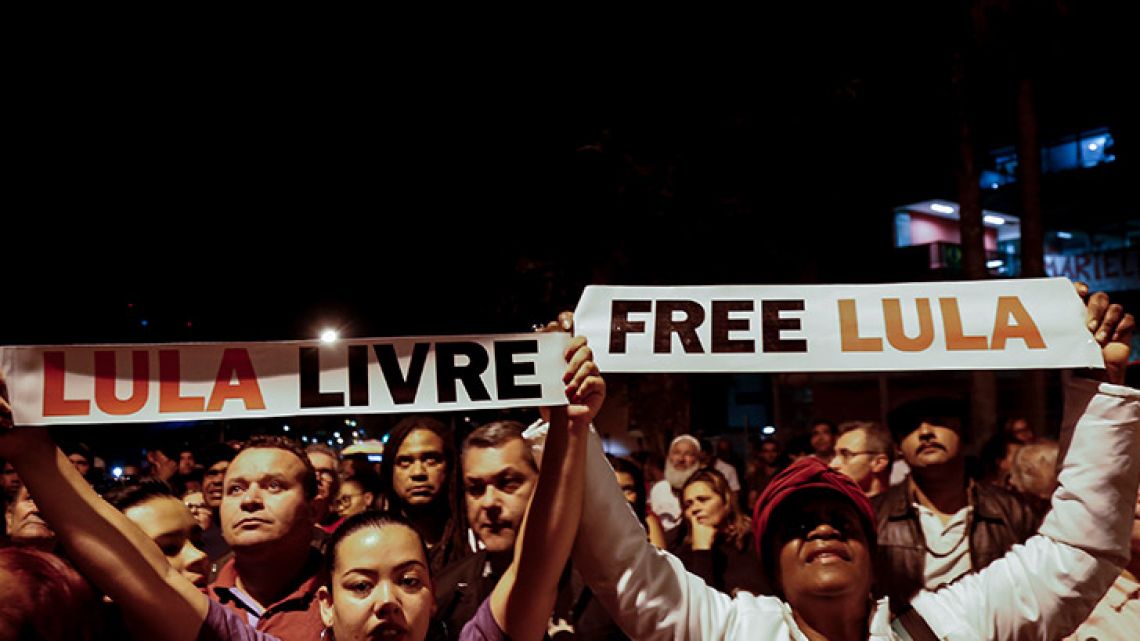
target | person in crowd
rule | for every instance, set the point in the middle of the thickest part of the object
(267, 520)
(823, 435)
(652, 467)
(865, 451)
(195, 501)
(43, 598)
(379, 581)
(718, 546)
(665, 497)
(420, 479)
(152, 506)
(356, 495)
(80, 456)
(815, 531)
(723, 459)
(1117, 616)
(628, 475)
(9, 481)
(1018, 429)
(161, 461)
(798, 447)
(1034, 468)
(25, 526)
(940, 525)
(499, 474)
(186, 463)
(997, 460)
(326, 463)
(215, 459)
(765, 460)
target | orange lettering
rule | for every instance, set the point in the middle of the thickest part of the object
(170, 397)
(54, 402)
(952, 320)
(892, 317)
(1023, 327)
(236, 361)
(850, 341)
(105, 376)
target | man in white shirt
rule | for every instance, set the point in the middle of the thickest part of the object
(665, 497)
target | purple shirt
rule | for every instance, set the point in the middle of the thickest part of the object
(222, 624)
(482, 627)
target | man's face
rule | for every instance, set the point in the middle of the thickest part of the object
(822, 440)
(161, 465)
(1020, 431)
(352, 499)
(10, 481)
(498, 482)
(684, 455)
(25, 525)
(769, 452)
(80, 462)
(628, 486)
(853, 459)
(930, 446)
(185, 462)
(822, 549)
(419, 472)
(212, 483)
(327, 475)
(264, 500)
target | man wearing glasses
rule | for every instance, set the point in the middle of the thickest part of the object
(865, 452)
(939, 525)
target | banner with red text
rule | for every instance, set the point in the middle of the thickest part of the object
(992, 324)
(145, 383)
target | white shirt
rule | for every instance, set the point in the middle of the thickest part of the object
(729, 473)
(665, 504)
(947, 546)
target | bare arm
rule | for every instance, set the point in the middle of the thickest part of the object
(524, 597)
(110, 550)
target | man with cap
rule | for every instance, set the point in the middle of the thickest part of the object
(814, 529)
(665, 496)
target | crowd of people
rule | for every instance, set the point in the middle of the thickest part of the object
(524, 532)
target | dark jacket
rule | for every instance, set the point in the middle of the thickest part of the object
(462, 587)
(1000, 519)
(725, 567)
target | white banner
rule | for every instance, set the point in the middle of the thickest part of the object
(991, 324)
(144, 383)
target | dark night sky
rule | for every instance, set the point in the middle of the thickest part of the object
(475, 185)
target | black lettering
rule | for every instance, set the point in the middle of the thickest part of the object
(722, 325)
(620, 324)
(448, 373)
(773, 325)
(403, 389)
(311, 394)
(357, 375)
(665, 326)
(506, 369)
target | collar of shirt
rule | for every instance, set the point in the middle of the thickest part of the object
(224, 589)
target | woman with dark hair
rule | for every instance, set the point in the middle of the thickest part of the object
(717, 546)
(629, 478)
(419, 473)
(151, 505)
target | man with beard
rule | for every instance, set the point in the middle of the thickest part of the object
(665, 497)
(939, 525)
(419, 474)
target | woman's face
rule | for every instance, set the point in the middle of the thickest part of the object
(381, 587)
(167, 521)
(704, 505)
(822, 550)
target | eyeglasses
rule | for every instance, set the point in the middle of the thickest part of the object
(197, 507)
(845, 455)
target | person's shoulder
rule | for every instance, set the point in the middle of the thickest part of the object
(460, 571)
(893, 500)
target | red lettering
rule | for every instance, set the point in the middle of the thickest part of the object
(55, 404)
(170, 397)
(235, 362)
(106, 375)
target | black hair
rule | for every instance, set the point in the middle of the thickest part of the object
(215, 453)
(627, 466)
(935, 410)
(369, 519)
(128, 495)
